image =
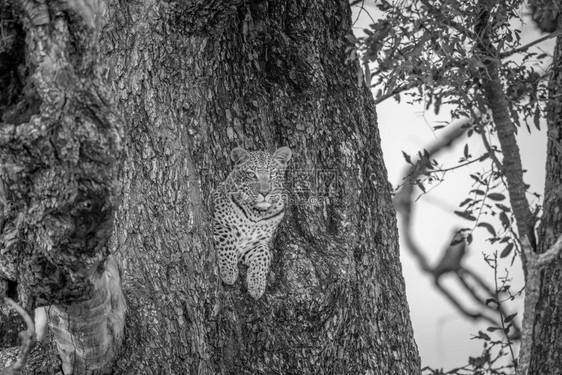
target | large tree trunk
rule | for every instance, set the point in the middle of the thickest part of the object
(195, 79)
(546, 355)
(196, 82)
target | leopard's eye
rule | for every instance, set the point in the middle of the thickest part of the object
(250, 175)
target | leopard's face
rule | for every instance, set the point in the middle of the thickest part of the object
(258, 178)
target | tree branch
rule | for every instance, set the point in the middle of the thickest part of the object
(529, 45)
(498, 104)
(451, 260)
(395, 91)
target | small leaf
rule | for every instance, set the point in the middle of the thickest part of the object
(506, 250)
(420, 185)
(505, 221)
(481, 335)
(496, 196)
(537, 118)
(477, 191)
(407, 157)
(465, 151)
(467, 200)
(351, 38)
(509, 318)
(484, 157)
(465, 215)
(492, 329)
(477, 179)
(503, 207)
(488, 227)
(384, 5)
(457, 240)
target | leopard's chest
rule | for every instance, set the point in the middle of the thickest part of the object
(250, 233)
(247, 228)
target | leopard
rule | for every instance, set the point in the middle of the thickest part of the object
(247, 209)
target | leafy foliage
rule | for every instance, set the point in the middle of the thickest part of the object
(433, 48)
(433, 52)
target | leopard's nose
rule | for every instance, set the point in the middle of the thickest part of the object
(265, 189)
(263, 196)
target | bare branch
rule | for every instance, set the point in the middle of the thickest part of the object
(529, 45)
(403, 199)
(548, 256)
(395, 91)
(463, 164)
(472, 315)
(451, 261)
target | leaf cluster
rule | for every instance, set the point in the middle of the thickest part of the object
(431, 52)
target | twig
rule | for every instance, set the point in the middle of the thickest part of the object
(460, 307)
(461, 165)
(404, 206)
(395, 91)
(529, 45)
(500, 310)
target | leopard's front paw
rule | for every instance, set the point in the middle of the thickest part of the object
(256, 280)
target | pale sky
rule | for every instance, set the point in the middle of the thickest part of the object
(442, 334)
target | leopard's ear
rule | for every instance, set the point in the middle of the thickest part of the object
(238, 155)
(283, 155)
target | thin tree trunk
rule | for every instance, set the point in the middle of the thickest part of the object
(196, 80)
(546, 354)
(497, 101)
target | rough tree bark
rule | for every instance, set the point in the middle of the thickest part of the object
(60, 145)
(195, 79)
(546, 353)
